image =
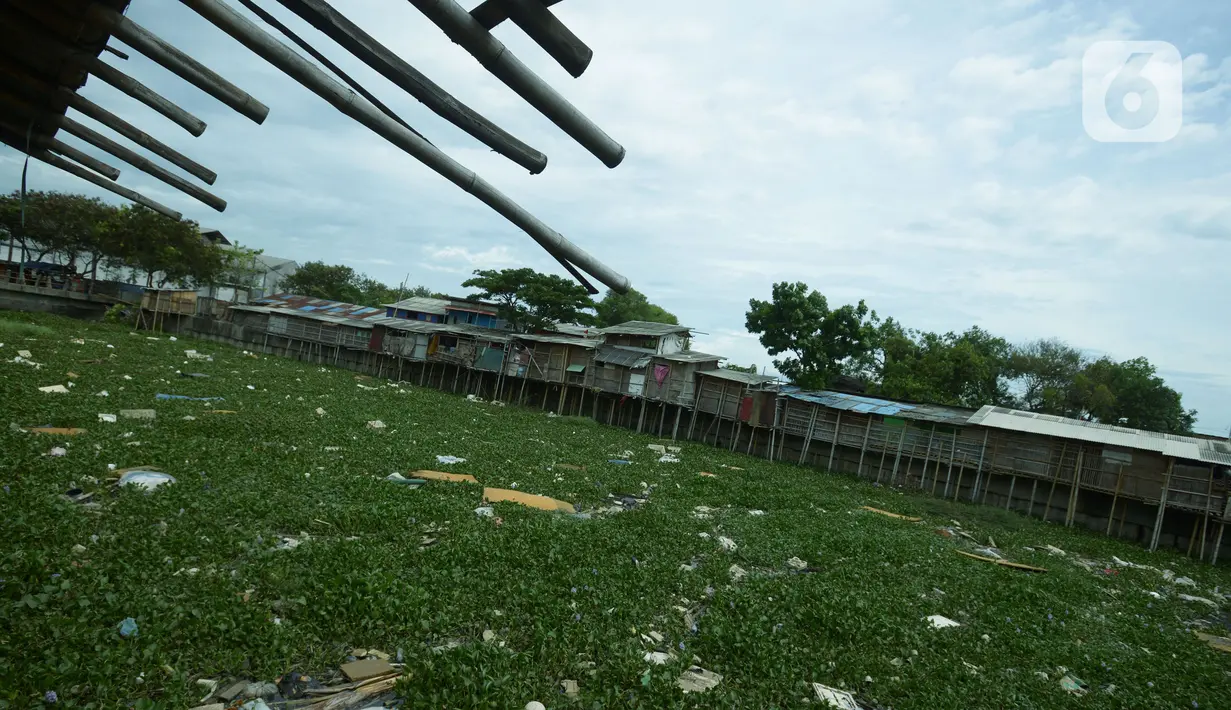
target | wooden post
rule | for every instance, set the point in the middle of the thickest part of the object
(1115, 497)
(469, 372)
(521, 395)
(692, 421)
(1217, 543)
(803, 451)
(1055, 478)
(564, 396)
(1071, 510)
(880, 467)
(1034, 489)
(923, 480)
(897, 458)
(979, 470)
(752, 439)
(739, 429)
(676, 428)
(863, 448)
(662, 417)
(1192, 537)
(1162, 505)
(1012, 485)
(1205, 525)
(949, 471)
(641, 417)
(837, 431)
(594, 405)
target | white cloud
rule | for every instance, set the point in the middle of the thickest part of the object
(932, 163)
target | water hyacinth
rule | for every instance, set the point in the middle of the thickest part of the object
(364, 579)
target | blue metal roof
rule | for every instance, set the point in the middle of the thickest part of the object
(863, 404)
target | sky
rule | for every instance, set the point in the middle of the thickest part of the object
(929, 158)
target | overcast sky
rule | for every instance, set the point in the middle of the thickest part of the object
(928, 157)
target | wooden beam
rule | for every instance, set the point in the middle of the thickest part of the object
(550, 33)
(180, 64)
(348, 102)
(143, 164)
(490, 13)
(147, 96)
(492, 54)
(352, 38)
(138, 136)
(57, 162)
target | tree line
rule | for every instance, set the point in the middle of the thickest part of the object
(851, 348)
(84, 234)
(526, 299)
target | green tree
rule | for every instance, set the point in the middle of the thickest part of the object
(822, 343)
(969, 369)
(530, 301)
(1045, 373)
(618, 308)
(1131, 394)
(332, 282)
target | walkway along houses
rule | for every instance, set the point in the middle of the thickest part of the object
(1158, 489)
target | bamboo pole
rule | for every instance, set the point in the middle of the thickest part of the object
(1012, 485)
(136, 135)
(833, 445)
(1070, 511)
(1205, 525)
(897, 458)
(533, 17)
(492, 54)
(1055, 477)
(146, 95)
(351, 104)
(1217, 543)
(949, 471)
(89, 161)
(56, 161)
(979, 471)
(1162, 505)
(923, 480)
(180, 64)
(1034, 490)
(641, 417)
(863, 448)
(803, 451)
(1115, 497)
(675, 429)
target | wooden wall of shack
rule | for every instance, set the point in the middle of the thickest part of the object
(1061, 479)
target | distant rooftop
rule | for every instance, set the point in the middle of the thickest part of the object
(641, 327)
(748, 378)
(862, 404)
(420, 304)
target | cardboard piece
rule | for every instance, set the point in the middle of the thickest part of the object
(59, 431)
(907, 518)
(221, 411)
(707, 474)
(495, 495)
(442, 476)
(367, 668)
(1218, 643)
(1002, 563)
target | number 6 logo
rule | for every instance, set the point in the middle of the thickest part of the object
(1132, 92)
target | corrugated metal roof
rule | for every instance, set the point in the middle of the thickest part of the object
(1184, 447)
(581, 331)
(419, 304)
(634, 358)
(557, 339)
(747, 378)
(306, 304)
(640, 327)
(886, 407)
(691, 356)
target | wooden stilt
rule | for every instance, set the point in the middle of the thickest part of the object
(676, 428)
(752, 438)
(594, 406)
(641, 417)
(961, 470)
(739, 429)
(897, 458)
(923, 480)
(1070, 511)
(1192, 537)
(662, 417)
(949, 471)
(1217, 543)
(1162, 506)
(1115, 497)
(803, 451)
(863, 448)
(1034, 489)
(1012, 484)
(837, 434)
(1205, 523)
(563, 398)
(611, 418)
(521, 396)
(880, 467)
(1054, 480)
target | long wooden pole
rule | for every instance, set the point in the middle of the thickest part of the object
(1070, 511)
(1115, 497)
(348, 102)
(1205, 524)
(803, 451)
(863, 448)
(833, 445)
(56, 161)
(1055, 478)
(146, 95)
(897, 458)
(1162, 505)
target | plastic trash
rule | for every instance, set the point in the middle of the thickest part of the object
(138, 413)
(834, 698)
(449, 459)
(24, 353)
(535, 705)
(727, 544)
(1074, 685)
(668, 458)
(619, 462)
(402, 480)
(104, 393)
(258, 704)
(187, 398)
(128, 628)
(942, 622)
(149, 480)
(106, 418)
(320, 412)
(192, 374)
(54, 389)
(376, 424)
(485, 511)
(698, 680)
(58, 451)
